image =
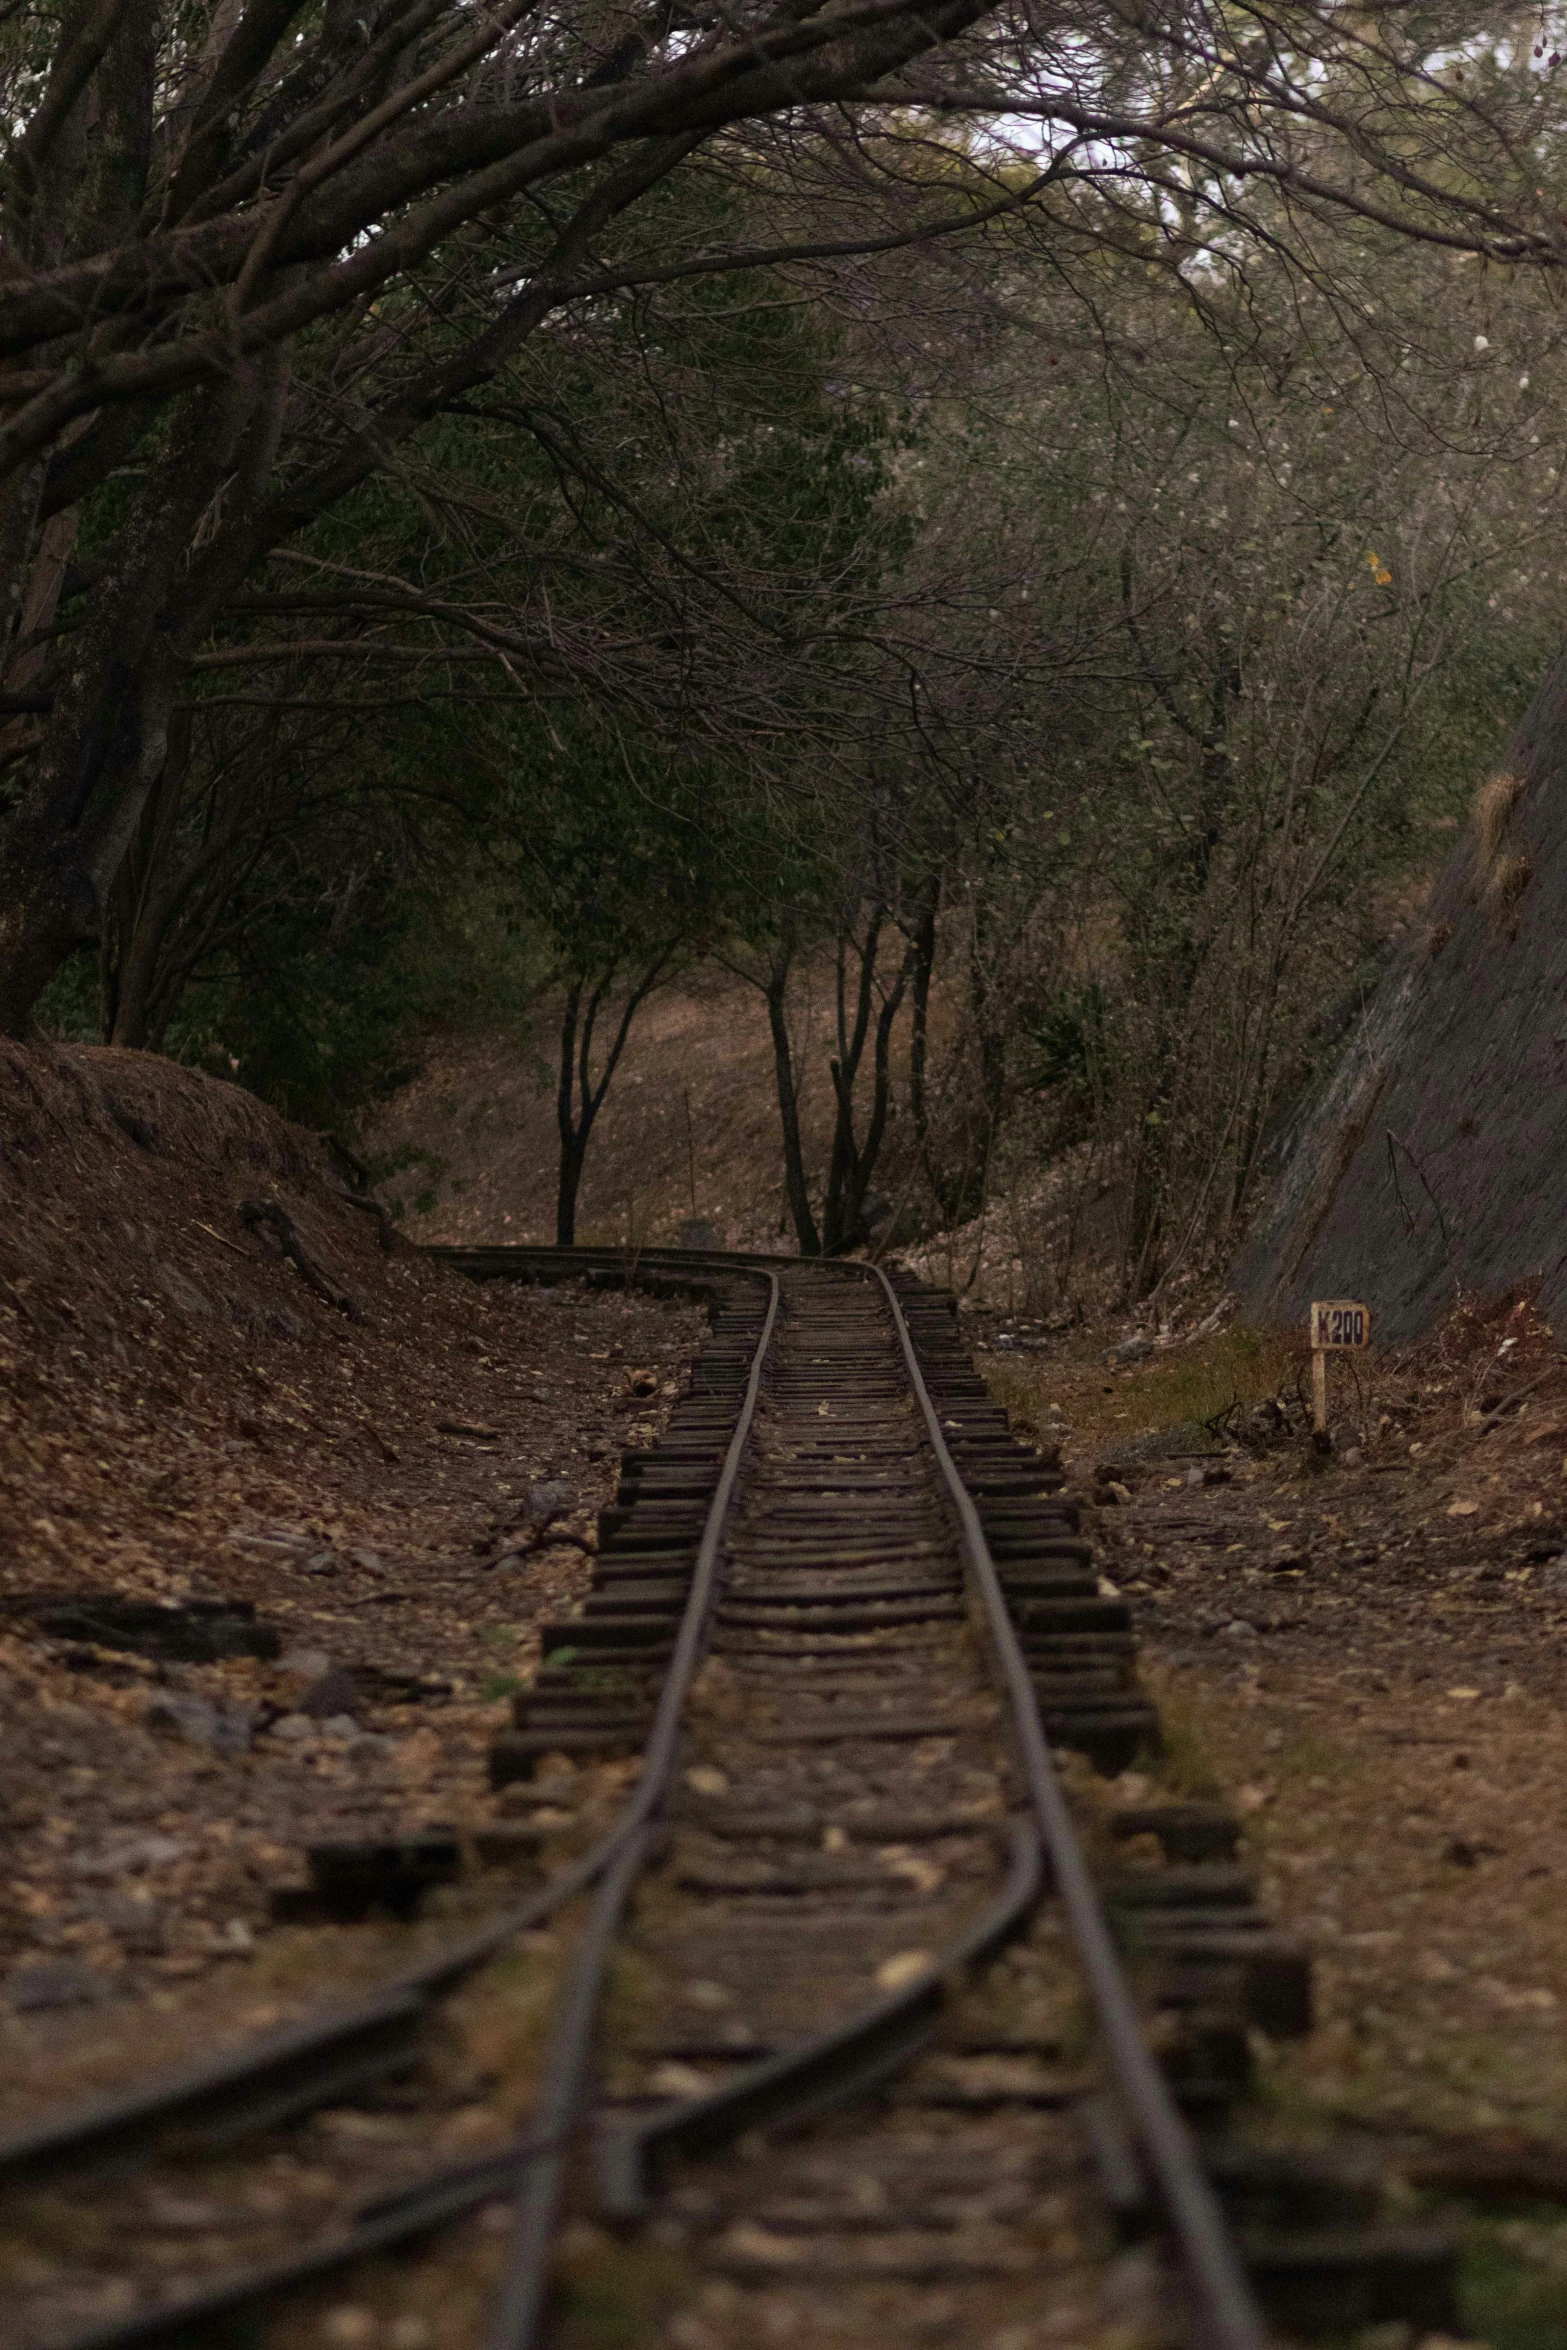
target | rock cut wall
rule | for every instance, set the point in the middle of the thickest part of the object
(1435, 1162)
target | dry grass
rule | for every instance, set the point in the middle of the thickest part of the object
(1494, 804)
(1186, 1385)
(1505, 882)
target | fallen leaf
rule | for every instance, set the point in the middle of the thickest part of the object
(923, 1875)
(678, 2080)
(904, 1967)
(1462, 1509)
(1463, 1695)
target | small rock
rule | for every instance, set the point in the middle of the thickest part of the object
(1237, 1629)
(1130, 1350)
(340, 1726)
(334, 1693)
(151, 1852)
(293, 1727)
(548, 1499)
(1194, 1475)
(1352, 1456)
(56, 1982)
(322, 1562)
(135, 1921)
(309, 1663)
(371, 1746)
(371, 1561)
(119, 1860)
(192, 1718)
(222, 1726)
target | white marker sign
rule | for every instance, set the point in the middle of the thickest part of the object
(1338, 1323)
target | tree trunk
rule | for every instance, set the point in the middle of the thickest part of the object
(573, 1148)
(795, 1187)
(107, 737)
(579, 1096)
(854, 1163)
(922, 971)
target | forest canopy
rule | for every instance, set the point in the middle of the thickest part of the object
(1045, 509)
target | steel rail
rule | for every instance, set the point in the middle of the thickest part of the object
(282, 2072)
(566, 2076)
(1231, 2315)
(833, 2066)
(1226, 2303)
(285, 2068)
(838, 2063)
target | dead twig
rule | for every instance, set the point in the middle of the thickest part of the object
(243, 1254)
(1508, 1403)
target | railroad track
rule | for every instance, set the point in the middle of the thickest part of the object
(844, 1916)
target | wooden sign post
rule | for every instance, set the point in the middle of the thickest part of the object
(1339, 1325)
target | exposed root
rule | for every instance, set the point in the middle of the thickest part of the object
(386, 1230)
(270, 1216)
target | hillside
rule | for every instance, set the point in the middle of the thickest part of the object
(689, 1128)
(272, 1546)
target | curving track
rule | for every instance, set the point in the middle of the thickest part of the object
(843, 1618)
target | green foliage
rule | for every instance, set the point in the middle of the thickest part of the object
(669, 516)
(1513, 2278)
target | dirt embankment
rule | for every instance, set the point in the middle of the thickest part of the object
(689, 1128)
(279, 1514)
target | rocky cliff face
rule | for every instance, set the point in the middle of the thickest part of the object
(1436, 1161)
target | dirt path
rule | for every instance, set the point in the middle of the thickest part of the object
(1368, 1655)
